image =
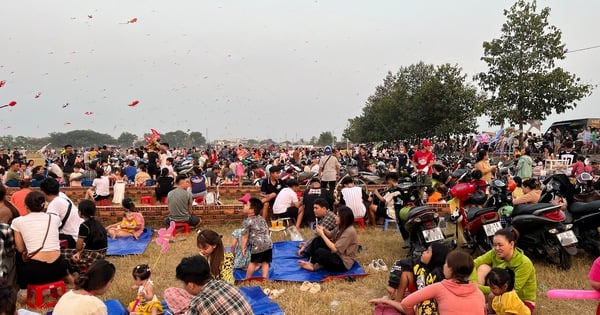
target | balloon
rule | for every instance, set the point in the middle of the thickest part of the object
(573, 294)
(133, 103)
(164, 236)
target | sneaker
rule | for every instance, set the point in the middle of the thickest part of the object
(381, 264)
(373, 265)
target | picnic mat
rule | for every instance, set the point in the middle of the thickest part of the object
(129, 245)
(285, 267)
(260, 303)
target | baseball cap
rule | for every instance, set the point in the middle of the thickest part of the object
(426, 143)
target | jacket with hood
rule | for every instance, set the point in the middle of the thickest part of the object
(452, 298)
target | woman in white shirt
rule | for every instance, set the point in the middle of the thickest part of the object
(37, 234)
(100, 186)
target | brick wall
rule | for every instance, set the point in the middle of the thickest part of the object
(154, 215)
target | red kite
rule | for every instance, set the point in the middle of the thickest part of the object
(11, 104)
(67, 123)
(133, 103)
(90, 16)
(88, 113)
(2, 83)
(131, 21)
(37, 95)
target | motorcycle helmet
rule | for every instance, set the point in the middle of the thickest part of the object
(478, 198)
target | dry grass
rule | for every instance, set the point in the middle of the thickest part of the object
(352, 296)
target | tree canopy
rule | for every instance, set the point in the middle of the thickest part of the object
(421, 100)
(523, 80)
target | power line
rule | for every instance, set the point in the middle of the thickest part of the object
(580, 49)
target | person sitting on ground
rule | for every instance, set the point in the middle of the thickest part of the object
(208, 293)
(141, 176)
(334, 250)
(83, 300)
(506, 301)
(287, 204)
(180, 201)
(454, 295)
(100, 187)
(407, 275)
(313, 192)
(164, 184)
(256, 239)
(354, 197)
(18, 197)
(91, 242)
(211, 246)
(60, 205)
(323, 217)
(381, 204)
(132, 223)
(532, 193)
(37, 239)
(146, 301)
(506, 255)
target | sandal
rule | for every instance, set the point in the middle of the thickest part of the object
(314, 288)
(381, 264)
(276, 293)
(305, 286)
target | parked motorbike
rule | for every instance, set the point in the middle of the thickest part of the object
(583, 216)
(543, 234)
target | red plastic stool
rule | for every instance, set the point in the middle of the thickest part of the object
(103, 202)
(36, 292)
(185, 226)
(148, 200)
(199, 200)
(163, 200)
(360, 221)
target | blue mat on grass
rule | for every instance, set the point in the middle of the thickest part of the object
(285, 267)
(261, 304)
(129, 245)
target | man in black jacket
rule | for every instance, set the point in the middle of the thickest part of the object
(68, 159)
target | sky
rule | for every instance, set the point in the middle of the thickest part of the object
(285, 70)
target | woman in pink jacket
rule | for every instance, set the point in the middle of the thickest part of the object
(454, 296)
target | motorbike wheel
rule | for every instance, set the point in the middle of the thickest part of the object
(484, 243)
(559, 256)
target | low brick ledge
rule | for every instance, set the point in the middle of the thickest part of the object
(154, 215)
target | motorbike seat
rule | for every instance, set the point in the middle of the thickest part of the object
(472, 213)
(587, 197)
(531, 208)
(582, 208)
(415, 211)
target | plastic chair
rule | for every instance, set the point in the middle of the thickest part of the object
(148, 200)
(387, 221)
(163, 200)
(184, 225)
(35, 292)
(360, 221)
(199, 200)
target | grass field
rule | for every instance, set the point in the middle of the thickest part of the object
(352, 296)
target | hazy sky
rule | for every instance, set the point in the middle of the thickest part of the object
(281, 69)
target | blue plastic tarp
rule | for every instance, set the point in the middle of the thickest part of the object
(260, 303)
(129, 245)
(285, 267)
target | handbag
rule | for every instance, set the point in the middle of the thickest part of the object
(27, 256)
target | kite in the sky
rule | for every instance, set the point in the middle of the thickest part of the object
(2, 83)
(90, 16)
(88, 113)
(65, 105)
(131, 21)
(67, 123)
(133, 103)
(10, 104)
(37, 95)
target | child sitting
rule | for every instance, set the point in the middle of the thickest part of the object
(146, 301)
(256, 239)
(132, 223)
(506, 301)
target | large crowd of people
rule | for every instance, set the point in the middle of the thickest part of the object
(57, 239)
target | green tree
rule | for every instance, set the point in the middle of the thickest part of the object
(80, 138)
(126, 139)
(420, 100)
(326, 138)
(175, 138)
(523, 80)
(197, 139)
